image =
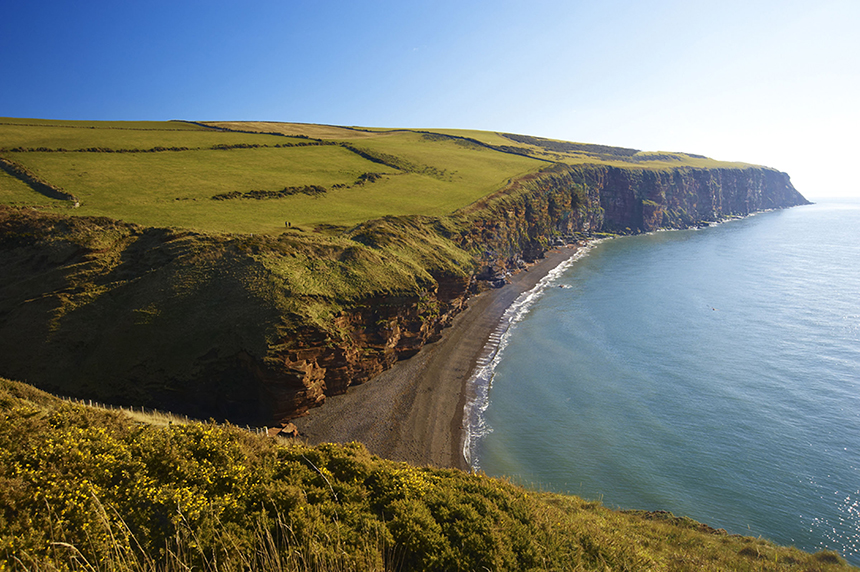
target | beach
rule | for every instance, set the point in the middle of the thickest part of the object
(414, 411)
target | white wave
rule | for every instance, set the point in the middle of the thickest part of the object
(479, 383)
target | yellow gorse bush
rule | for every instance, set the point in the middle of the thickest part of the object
(81, 486)
(411, 482)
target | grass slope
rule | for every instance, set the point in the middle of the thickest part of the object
(15, 192)
(167, 173)
(113, 171)
(121, 135)
(85, 488)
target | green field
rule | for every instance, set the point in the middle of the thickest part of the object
(167, 173)
(175, 188)
(121, 135)
(15, 192)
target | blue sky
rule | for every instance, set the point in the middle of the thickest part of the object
(768, 82)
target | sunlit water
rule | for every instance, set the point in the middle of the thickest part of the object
(713, 373)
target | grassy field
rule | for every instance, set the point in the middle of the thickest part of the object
(121, 135)
(550, 150)
(176, 188)
(16, 192)
(85, 488)
(312, 130)
(167, 173)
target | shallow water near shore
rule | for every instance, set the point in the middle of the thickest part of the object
(713, 373)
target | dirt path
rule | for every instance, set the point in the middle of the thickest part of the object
(414, 411)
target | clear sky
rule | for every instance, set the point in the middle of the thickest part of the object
(774, 82)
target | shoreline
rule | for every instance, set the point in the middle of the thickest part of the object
(414, 411)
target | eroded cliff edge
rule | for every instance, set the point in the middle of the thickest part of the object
(256, 329)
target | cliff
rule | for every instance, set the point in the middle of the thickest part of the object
(256, 329)
(566, 202)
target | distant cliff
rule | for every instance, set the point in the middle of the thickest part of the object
(256, 329)
(566, 201)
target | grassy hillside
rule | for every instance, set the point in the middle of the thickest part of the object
(169, 173)
(15, 191)
(253, 177)
(547, 150)
(91, 489)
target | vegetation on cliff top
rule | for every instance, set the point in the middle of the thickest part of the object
(167, 173)
(158, 175)
(83, 488)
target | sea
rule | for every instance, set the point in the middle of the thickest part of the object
(713, 373)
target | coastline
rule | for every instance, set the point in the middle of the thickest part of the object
(414, 411)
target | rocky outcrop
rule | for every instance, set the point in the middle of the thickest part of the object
(211, 326)
(309, 364)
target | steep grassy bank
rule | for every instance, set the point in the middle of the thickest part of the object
(89, 489)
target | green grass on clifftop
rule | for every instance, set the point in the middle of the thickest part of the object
(167, 173)
(14, 191)
(82, 488)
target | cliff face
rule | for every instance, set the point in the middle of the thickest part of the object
(203, 325)
(643, 200)
(567, 202)
(306, 365)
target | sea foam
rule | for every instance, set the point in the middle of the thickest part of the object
(479, 383)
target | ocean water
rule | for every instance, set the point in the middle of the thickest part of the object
(713, 373)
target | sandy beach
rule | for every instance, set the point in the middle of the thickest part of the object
(414, 411)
